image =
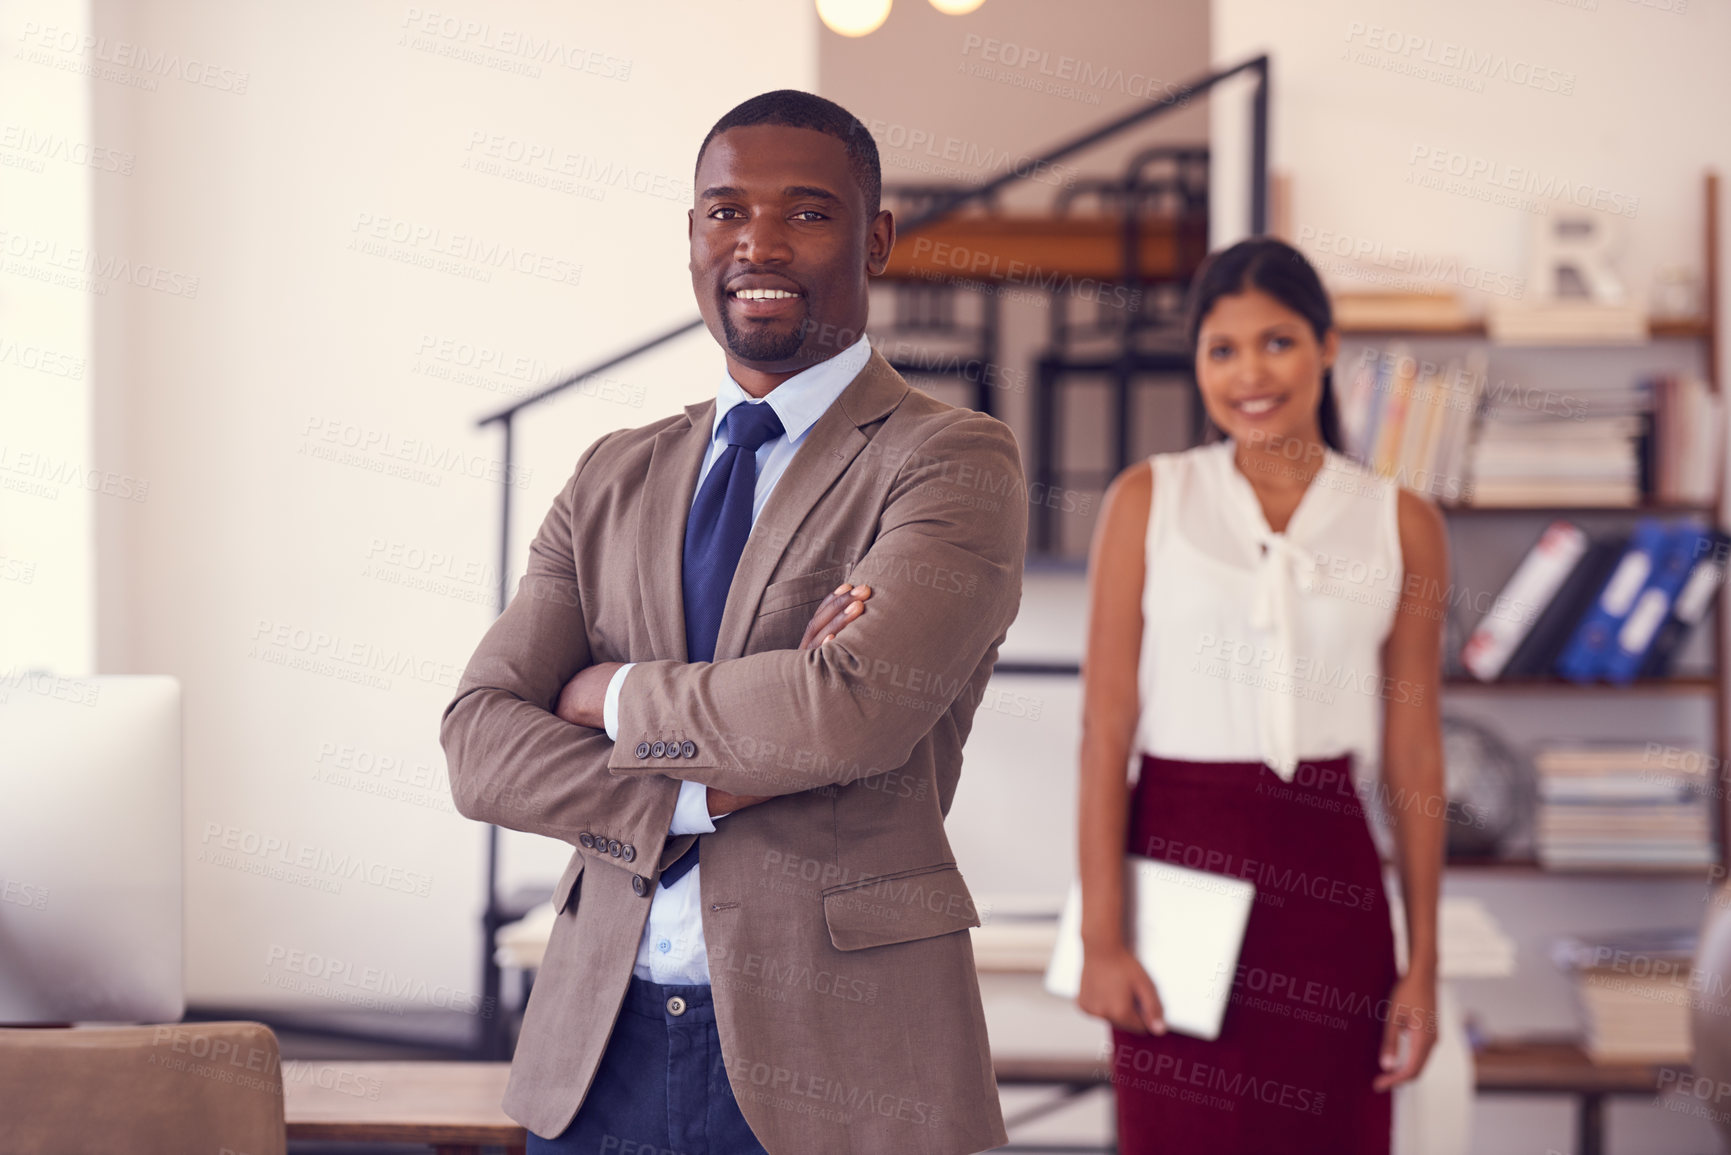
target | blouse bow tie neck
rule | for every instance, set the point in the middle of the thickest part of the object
(1283, 570)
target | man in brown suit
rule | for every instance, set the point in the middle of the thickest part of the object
(691, 664)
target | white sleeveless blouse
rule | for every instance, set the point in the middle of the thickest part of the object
(1260, 646)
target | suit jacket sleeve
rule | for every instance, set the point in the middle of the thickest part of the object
(512, 761)
(946, 574)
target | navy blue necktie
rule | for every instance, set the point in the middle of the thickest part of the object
(715, 535)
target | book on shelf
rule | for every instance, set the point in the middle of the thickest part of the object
(1635, 993)
(1689, 608)
(1545, 447)
(1674, 561)
(1529, 591)
(1565, 323)
(1609, 609)
(1588, 648)
(1412, 419)
(1470, 941)
(1685, 444)
(1621, 806)
(1655, 439)
(1612, 640)
(1537, 654)
(1440, 311)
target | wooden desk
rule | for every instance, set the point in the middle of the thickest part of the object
(1562, 1068)
(452, 1107)
(1506, 1068)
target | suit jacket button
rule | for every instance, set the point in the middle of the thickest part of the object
(629, 854)
(643, 749)
(689, 749)
(586, 840)
(673, 749)
(639, 885)
(615, 847)
(659, 750)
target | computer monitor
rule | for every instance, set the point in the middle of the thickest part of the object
(90, 850)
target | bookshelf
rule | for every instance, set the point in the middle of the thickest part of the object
(1660, 329)
(1707, 688)
(1532, 866)
(1676, 684)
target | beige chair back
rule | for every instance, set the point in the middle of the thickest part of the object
(177, 1089)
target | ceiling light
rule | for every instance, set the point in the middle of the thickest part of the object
(853, 17)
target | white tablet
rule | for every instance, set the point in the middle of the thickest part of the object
(1188, 928)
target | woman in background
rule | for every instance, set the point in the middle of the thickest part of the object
(1265, 615)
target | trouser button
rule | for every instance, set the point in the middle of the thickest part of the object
(676, 1005)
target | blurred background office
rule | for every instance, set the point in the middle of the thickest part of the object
(265, 269)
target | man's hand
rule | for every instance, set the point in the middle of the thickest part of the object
(582, 699)
(833, 614)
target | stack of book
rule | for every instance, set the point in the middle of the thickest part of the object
(1471, 944)
(1619, 806)
(1551, 448)
(1635, 995)
(1438, 310)
(1412, 420)
(1611, 610)
(1567, 322)
(1684, 451)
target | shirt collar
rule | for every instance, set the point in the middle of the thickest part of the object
(801, 399)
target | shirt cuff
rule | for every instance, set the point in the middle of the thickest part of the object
(691, 812)
(610, 704)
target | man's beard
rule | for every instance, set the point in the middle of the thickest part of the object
(762, 344)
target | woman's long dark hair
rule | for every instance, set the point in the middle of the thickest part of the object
(1276, 268)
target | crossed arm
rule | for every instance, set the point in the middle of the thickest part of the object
(516, 762)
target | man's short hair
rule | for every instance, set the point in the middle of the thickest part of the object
(792, 108)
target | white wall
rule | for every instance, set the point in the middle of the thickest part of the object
(321, 502)
(1620, 102)
(50, 483)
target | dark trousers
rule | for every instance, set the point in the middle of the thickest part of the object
(661, 1088)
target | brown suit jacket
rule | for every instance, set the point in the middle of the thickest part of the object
(844, 983)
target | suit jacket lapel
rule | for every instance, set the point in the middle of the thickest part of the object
(825, 454)
(668, 490)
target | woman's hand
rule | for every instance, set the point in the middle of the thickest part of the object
(1117, 988)
(833, 614)
(1410, 1032)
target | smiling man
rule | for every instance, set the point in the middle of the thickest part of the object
(755, 634)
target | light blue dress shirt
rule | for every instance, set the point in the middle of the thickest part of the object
(672, 949)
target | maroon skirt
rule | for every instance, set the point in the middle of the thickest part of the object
(1298, 1050)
